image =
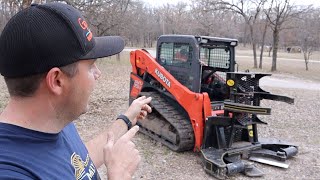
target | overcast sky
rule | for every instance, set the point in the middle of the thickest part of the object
(162, 2)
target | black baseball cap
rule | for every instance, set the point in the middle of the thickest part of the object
(41, 37)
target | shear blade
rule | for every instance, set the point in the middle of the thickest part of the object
(268, 161)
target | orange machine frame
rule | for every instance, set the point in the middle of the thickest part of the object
(197, 105)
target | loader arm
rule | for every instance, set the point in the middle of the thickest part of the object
(197, 105)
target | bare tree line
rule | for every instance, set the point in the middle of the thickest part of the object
(270, 24)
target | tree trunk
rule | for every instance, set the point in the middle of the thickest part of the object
(262, 44)
(275, 49)
(306, 59)
(270, 52)
(149, 39)
(254, 47)
(245, 36)
(307, 68)
(144, 41)
(261, 54)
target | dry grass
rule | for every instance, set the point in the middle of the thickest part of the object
(297, 123)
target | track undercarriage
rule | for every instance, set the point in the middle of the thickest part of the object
(167, 125)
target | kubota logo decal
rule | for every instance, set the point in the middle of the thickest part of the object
(163, 78)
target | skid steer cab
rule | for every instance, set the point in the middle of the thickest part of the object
(201, 103)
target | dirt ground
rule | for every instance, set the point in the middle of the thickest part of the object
(298, 123)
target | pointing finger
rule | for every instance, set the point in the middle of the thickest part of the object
(141, 98)
(147, 100)
(130, 134)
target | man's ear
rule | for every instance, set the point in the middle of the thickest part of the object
(55, 81)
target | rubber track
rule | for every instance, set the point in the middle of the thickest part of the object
(181, 124)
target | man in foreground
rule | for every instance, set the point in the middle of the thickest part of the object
(47, 58)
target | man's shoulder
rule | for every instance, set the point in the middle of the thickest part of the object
(10, 129)
(17, 142)
(70, 128)
(40, 154)
(70, 133)
(13, 133)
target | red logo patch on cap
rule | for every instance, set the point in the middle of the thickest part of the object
(84, 25)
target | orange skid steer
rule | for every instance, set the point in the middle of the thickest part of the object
(201, 103)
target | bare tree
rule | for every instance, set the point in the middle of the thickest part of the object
(308, 34)
(7, 9)
(181, 18)
(281, 12)
(104, 16)
(265, 26)
(25, 4)
(206, 22)
(308, 47)
(248, 9)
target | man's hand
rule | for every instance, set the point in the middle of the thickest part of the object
(97, 147)
(121, 157)
(138, 109)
